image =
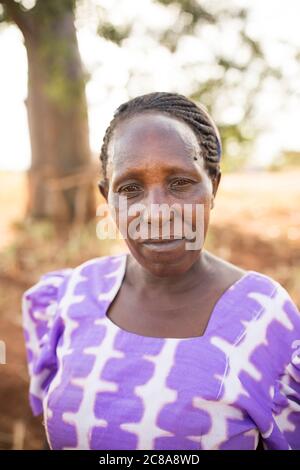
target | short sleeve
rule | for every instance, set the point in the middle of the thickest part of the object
(286, 404)
(42, 329)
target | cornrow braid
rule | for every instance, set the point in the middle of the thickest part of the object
(175, 105)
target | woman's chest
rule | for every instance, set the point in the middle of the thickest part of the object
(178, 317)
(130, 392)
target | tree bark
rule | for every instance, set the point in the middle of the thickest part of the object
(57, 116)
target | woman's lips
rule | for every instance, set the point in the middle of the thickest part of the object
(162, 244)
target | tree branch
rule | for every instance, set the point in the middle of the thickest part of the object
(15, 13)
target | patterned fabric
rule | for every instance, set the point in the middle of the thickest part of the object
(102, 387)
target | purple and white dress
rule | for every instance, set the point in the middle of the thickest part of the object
(102, 387)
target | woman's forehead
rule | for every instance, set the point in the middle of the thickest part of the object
(153, 133)
(153, 149)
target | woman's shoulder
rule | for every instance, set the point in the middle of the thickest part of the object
(272, 318)
(52, 282)
(102, 264)
(260, 298)
(254, 282)
(51, 286)
(270, 292)
(235, 279)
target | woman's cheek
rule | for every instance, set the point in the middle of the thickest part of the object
(127, 223)
(119, 206)
(201, 209)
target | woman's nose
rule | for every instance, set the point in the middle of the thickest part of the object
(157, 209)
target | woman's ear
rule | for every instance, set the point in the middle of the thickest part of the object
(103, 188)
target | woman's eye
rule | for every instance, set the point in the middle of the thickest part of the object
(129, 188)
(180, 183)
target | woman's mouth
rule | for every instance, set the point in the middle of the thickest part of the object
(160, 244)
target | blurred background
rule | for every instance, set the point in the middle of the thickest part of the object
(65, 66)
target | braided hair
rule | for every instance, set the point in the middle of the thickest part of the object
(180, 107)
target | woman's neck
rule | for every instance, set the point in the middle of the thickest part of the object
(143, 280)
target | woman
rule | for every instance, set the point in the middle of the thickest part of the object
(167, 346)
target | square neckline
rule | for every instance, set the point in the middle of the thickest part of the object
(120, 278)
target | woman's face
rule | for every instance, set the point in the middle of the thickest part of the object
(155, 159)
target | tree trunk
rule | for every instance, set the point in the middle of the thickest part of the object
(61, 177)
